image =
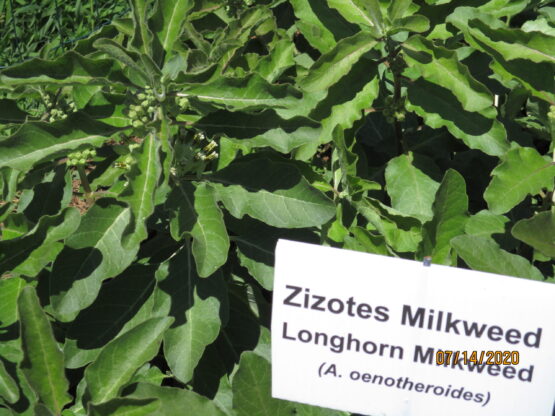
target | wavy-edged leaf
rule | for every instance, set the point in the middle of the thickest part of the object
(485, 223)
(527, 56)
(252, 92)
(93, 253)
(210, 239)
(442, 67)
(36, 142)
(397, 8)
(411, 190)
(538, 232)
(347, 113)
(281, 58)
(43, 361)
(334, 65)
(319, 35)
(122, 303)
(125, 407)
(523, 171)
(401, 232)
(9, 391)
(356, 11)
(169, 21)
(39, 246)
(415, 23)
(69, 69)
(261, 129)
(450, 215)
(120, 358)
(483, 253)
(198, 306)
(140, 192)
(176, 401)
(120, 54)
(440, 108)
(273, 192)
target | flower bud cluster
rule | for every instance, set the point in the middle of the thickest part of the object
(80, 158)
(394, 110)
(59, 110)
(125, 163)
(551, 113)
(208, 151)
(145, 111)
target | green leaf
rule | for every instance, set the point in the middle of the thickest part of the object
(273, 192)
(401, 232)
(37, 142)
(483, 253)
(523, 171)
(121, 357)
(180, 204)
(280, 58)
(345, 114)
(485, 223)
(10, 112)
(43, 362)
(122, 303)
(210, 239)
(411, 190)
(176, 401)
(125, 407)
(69, 69)
(197, 306)
(440, 108)
(450, 215)
(169, 21)
(334, 65)
(252, 93)
(92, 254)
(252, 392)
(415, 23)
(359, 12)
(261, 129)
(311, 25)
(139, 194)
(398, 8)
(142, 37)
(31, 252)
(9, 292)
(525, 56)
(8, 387)
(120, 54)
(442, 67)
(538, 232)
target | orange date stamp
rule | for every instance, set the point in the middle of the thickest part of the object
(477, 357)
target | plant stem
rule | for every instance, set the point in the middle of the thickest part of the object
(401, 145)
(85, 183)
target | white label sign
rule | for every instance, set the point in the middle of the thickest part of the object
(364, 333)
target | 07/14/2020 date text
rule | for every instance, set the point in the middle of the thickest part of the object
(477, 357)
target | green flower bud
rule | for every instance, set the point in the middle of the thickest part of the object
(72, 162)
(145, 103)
(145, 119)
(141, 96)
(82, 161)
(132, 114)
(92, 153)
(137, 123)
(85, 153)
(210, 146)
(151, 109)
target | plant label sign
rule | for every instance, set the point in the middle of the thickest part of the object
(378, 335)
